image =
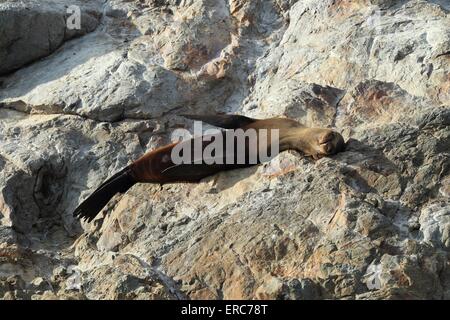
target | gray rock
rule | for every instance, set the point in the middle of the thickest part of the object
(7, 235)
(40, 284)
(34, 29)
(435, 224)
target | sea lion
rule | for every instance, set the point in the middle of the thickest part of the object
(157, 166)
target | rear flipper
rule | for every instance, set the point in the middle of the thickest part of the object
(118, 183)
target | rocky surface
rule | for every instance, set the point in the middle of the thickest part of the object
(372, 222)
(34, 29)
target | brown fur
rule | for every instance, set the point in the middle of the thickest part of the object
(315, 142)
(156, 166)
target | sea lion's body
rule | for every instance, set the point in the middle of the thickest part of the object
(157, 166)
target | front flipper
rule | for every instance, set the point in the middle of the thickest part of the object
(195, 172)
(191, 172)
(226, 121)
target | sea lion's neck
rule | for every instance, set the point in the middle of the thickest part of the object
(294, 138)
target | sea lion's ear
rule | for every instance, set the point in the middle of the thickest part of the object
(226, 121)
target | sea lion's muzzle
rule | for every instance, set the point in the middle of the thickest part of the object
(332, 142)
(326, 142)
(329, 143)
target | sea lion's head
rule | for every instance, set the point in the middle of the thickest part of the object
(325, 142)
